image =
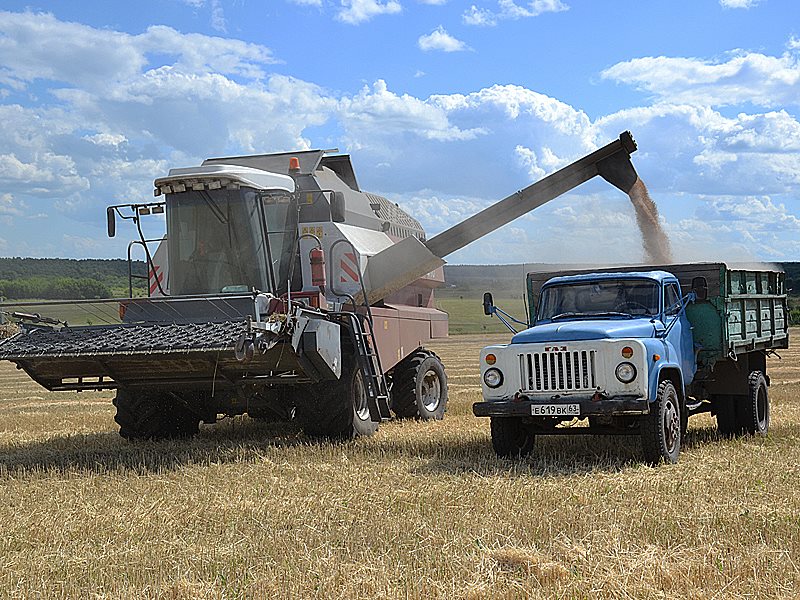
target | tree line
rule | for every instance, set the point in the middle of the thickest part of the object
(66, 279)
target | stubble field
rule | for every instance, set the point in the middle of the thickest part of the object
(421, 510)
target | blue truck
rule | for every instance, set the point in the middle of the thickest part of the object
(636, 350)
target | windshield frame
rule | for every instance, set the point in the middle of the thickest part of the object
(230, 238)
(649, 310)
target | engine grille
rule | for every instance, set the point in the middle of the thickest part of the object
(558, 371)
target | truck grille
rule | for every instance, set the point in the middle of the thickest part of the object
(558, 371)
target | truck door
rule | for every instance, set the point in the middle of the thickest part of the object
(681, 334)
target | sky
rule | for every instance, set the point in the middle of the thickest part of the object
(445, 106)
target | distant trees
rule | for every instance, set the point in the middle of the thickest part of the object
(66, 279)
(54, 288)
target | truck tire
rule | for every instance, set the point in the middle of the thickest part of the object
(149, 415)
(419, 387)
(753, 411)
(724, 406)
(511, 438)
(661, 428)
(337, 410)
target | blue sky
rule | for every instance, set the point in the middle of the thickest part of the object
(445, 106)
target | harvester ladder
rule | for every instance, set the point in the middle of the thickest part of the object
(369, 361)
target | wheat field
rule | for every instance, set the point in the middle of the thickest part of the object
(420, 510)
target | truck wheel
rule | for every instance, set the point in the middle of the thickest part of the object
(338, 409)
(149, 415)
(661, 429)
(724, 406)
(419, 387)
(511, 437)
(754, 409)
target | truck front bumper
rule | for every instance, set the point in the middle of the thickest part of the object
(615, 405)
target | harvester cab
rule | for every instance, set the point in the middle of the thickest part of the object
(284, 291)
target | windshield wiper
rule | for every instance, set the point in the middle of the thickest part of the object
(215, 209)
(567, 315)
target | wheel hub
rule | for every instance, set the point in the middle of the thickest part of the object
(360, 398)
(431, 392)
(672, 426)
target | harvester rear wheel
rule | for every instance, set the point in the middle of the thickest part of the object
(419, 386)
(338, 409)
(149, 415)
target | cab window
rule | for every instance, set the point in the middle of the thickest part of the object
(672, 299)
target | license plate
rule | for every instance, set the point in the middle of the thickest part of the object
(555, 410)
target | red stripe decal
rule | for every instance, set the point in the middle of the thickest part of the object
(346, 268)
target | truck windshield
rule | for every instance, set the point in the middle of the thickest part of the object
(229, 240)
(607, 297)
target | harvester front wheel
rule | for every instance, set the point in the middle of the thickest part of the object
(149, 415)
(338, 409)
(419, 386)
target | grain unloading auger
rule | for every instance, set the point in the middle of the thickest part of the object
(257, 300)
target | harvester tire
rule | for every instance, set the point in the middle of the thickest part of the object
(511, 437)
(419, 387)
(337, 410)
(148, 415)
(661, 428)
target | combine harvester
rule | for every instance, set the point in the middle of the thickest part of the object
(280, 290)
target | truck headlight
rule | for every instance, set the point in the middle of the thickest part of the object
(493, 378)
(625, 372)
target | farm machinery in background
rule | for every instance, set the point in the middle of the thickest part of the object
(281, 290)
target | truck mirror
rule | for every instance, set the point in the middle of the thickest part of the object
(488, 303)
(337, 207)
(112, 221)
(700, 287)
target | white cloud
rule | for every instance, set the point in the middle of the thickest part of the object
(744, 78)
(317, 3)
(510, 10)
(480, 17)
(439, 39)
(218, 16)
(97, 59)
(359, 11)
(690, 149)
(754, 213)
(382, 113)
(8, 206)
(106, 139)
(739, 3)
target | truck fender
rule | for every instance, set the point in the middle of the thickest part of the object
(669, 371)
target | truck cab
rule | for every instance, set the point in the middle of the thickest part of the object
(617, 351)
(594, 344)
